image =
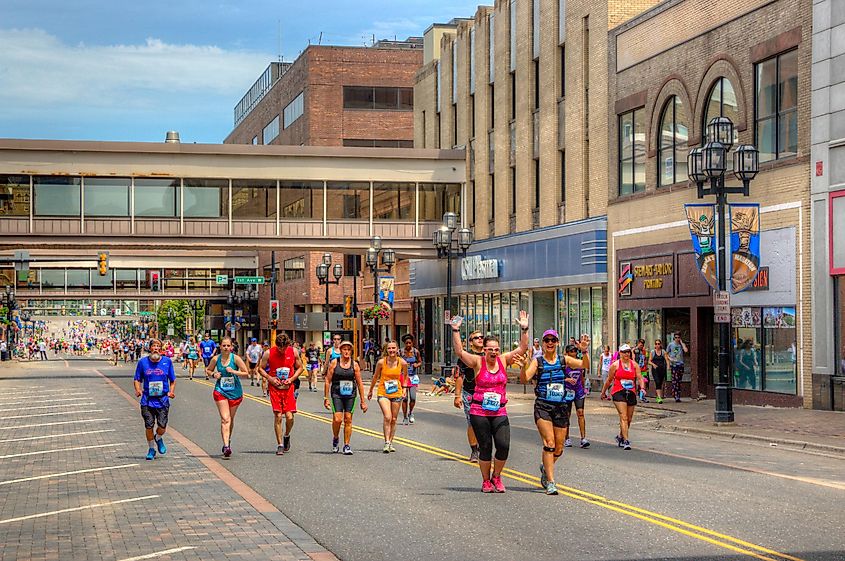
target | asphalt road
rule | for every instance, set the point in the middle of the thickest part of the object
(671, 497)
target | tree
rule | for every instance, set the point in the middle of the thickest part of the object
(175, 313)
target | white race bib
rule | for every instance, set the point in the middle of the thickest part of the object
(283, 373)
(391, 386)
(155, 389)
(415, 380)
(554, 392)
(491, 401)
(627, 384)
(227, 383)
(345, 387)
(569, 395)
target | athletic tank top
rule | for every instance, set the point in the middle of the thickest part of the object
(228, 385)
(549, 373)
(335, 354)
(624, 377)
(490, 391)
(468, 372)
(659, 360)
(390, 384)
(343, 381)
(281, 365)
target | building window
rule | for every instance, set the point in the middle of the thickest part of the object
(561, 21)
(513, 190)
(491, 49)
(253, 199)
(454, 125)
(491, 105)
(57, 196)
(379, 98)
(472, 205)
(157, 198)
(512, 32)
(472, 61)
(454, 72)
(294, 268)
(348, 200)
(562, 50)
(437, 199)
(632, 152)
(438, 82)
(776, 107)
(492, 214)
(537, 84)
(721, 102)
(206, 198)
(271, 131)
(537, 183)
(562, 176)
(255, 140)
(106, 196)
(672, 143)
(301, 199)
(14, 195)
(535, 28)
(393, 201)
(294, 109)
(377, 143)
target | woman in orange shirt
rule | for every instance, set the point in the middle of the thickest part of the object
(390, 377)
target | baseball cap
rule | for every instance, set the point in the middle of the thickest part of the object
(570, 348)
(345, 343)
(536, 340)
(624, 347)
(253, 340)
(551, 332)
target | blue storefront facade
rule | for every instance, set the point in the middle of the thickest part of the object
(557, 274)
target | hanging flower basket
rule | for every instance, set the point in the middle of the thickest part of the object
(375, 312)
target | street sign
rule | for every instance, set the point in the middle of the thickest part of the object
(722, 318)
(722, 304)
(222, 279)
(447, 316)
(249, 280)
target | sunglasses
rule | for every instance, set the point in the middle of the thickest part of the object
(549, 340)
(477, 337)
(492, 350)
(623, 352)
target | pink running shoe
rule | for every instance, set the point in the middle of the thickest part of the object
(487, 487)
(497, 483)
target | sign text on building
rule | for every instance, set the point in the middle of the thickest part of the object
(474, 267)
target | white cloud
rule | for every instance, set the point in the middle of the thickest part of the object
(40, 72)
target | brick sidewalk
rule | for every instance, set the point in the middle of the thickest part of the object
(183, 505)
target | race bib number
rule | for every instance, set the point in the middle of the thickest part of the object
(346, 387)
(554, 392)
(569, 395)
(227, 383)
(155, 389)
(415, 379)
(283, 373)
(391, 386)
(491, 401)
(627, 384)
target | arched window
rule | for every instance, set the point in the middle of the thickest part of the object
(672, 143)
(721, 102)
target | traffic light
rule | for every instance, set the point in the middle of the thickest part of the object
(155, 281)
(274, 310)
(103, 263)
(347, 306)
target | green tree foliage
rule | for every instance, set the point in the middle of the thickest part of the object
(180, 310)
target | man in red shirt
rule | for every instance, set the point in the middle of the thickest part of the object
(285, 368)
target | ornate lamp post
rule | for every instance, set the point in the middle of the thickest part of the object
(709, 164)
(323, 276)
(388, 259)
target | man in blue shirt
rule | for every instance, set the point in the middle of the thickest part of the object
(208, 347)
(155, 384)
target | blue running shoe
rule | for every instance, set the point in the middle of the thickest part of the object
(551, 488)
(543, 479)
(151, 454)
(162, 449)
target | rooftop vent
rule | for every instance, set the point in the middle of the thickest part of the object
(172, 137)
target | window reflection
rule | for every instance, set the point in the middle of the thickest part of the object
(253, 199)
(14, 195)
(206, 198)
(435, 199)
(301, 199)
(393, 201)
(350, 200)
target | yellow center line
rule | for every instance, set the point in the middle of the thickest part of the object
(679, 526)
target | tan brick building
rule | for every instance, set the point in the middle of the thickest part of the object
(523, 86)
(672, 69)
(330, 96)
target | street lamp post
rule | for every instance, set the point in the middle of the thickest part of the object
(709, 163)
(323, 277)
(388, 258)
(448, 241)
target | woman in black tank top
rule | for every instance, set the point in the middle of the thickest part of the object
(342, 390)
(657, 361)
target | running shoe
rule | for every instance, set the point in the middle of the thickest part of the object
(162, 449)
(151, 454)
(404, 420)
(386, 448)
(487, 487)
(392, 449)
(568, 443)
(659, 400)
(287, 443)
(227, 451)
(585, 443)
(473, 455)
(335, 443)
(280, 450)
(497, 483)
(544, 481)
(347, 450)
(551, 488)
(677, 400)
(626, 445)
(619, 440)
(411, 419)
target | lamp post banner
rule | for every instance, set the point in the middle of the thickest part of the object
(745, 244)
(702, 226)
(385, 290)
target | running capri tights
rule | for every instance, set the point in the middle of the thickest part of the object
(490, 431)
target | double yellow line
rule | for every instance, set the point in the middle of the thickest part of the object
(691, 530)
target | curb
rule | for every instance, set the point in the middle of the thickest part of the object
(800, 444)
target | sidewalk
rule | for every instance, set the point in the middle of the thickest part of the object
(793, 428)
(76, 485)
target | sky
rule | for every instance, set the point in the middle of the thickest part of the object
(130, 71)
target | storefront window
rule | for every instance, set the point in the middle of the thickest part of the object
(599, 333)
(572, 320)
(437, 330)
(628, 326)
(504, 326)
(652, 327)
(584, 313)
(14, 195)
(839, 319)
(495, 313)
(765, 349)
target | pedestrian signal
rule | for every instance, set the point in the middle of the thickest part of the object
(274, 310)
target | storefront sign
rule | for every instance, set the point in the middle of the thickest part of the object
(745, 244)
(761, 282)
(474, 267)
(702, 220)
(647, 278)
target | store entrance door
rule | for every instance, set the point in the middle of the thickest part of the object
(677, 320)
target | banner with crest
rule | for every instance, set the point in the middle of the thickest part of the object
(702, 226)
(745, 244)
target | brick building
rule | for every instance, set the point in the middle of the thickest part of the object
(671, 69)
(330, 96)
(523, 86)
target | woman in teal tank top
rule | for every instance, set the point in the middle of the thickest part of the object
(227, 368)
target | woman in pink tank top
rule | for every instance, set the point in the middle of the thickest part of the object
(487, 413)
(623, 380)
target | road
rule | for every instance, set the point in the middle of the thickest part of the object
(672, 497)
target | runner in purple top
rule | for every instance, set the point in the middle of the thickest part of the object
(580, 393)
